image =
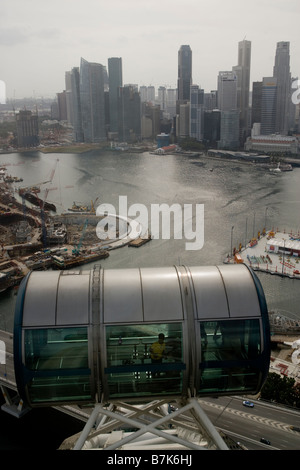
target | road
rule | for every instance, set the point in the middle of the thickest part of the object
(249, 425)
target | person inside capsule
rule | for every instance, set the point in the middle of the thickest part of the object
(157, 352)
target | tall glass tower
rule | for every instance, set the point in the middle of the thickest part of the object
(92, 101)
(282, 74)
(184, 72)
(242, 71)
(115, 81)
(268, 105)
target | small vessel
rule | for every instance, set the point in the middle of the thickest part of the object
(76, 208)
(66, 262)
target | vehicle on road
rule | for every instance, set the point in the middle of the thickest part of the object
(265, 441)
(248, 403)
(295, 428)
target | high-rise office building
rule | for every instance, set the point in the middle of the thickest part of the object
(256, 103)
(184, 72)
(268, 105)
(242, 71)
(171, 101)
(227, 91)
(227, 104)
(75, 107)
(27, 129)
(92, 101)
(281, 72)
(115, 80)
(129, 114)
(196, 112)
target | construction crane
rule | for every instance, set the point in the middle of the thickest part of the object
(42, 204)
(76, 249)
(93, 210)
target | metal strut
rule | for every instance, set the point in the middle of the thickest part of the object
(193, 430)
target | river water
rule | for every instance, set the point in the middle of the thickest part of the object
(234, 194)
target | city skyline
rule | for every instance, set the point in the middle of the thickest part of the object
(39, 42)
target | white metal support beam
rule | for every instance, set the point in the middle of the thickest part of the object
(149, 419)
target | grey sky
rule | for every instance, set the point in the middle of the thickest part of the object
(40, 40)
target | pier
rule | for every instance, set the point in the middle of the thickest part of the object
(275, 252)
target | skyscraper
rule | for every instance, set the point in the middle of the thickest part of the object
(27, 129)
(242, 71)
(76, 105)
(129, 114)
(92, 101)
(115, 82)
(196, 112)
(268, 105)
(282, 74)
(184, 72)
(227, 91)
(256, 103)
(227, 103)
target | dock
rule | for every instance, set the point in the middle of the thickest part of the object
(275, 252)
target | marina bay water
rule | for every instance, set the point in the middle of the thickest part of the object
(239, 200)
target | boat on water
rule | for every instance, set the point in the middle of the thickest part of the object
(67, 262)
(82, 209)
(12, 179)
(281, 167)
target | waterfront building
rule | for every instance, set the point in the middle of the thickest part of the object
(268, 105)
(115, 80)
(27, 129)
(212, 124)
(184, 72)
(92, 101)
(163, 140)
(275, 143)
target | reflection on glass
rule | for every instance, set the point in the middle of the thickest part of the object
(58, 361)
(144, 360)
(230, 355)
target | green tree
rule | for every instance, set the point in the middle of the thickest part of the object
(280, 389)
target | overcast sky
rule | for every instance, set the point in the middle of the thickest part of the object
(41, 39)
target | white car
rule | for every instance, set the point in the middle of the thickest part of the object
(248, 403)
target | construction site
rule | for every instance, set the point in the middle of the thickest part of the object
(33, 236)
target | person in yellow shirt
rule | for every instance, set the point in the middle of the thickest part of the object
(157, 351)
